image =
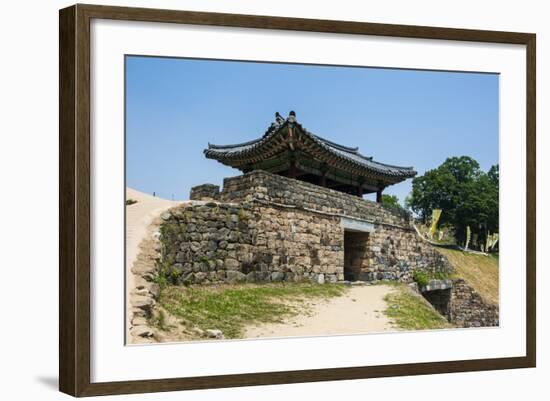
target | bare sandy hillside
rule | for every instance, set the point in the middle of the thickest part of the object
(142, 220)
(139, 216)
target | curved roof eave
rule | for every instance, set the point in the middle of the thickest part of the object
(241, 150)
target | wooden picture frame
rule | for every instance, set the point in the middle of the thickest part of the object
(74, 200)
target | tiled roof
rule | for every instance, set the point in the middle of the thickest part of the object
(241, 151)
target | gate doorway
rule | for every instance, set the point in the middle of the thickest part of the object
(440, 300)
(355, 254)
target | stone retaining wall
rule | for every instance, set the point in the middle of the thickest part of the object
(228, 242)
(264, 186)
(395, 253)
(468, 309)
(205, 192)
(265, 227)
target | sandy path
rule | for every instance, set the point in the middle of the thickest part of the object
(358, 311)
(138, 217)
(139, 227)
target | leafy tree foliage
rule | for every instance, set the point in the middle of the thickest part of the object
(391, 201)
(467, 195)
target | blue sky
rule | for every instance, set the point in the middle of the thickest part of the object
(174, 107)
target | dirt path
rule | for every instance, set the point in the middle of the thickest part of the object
(138, 218)
(358, 311)
(142, 222)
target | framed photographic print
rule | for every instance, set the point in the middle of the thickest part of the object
(250, 200)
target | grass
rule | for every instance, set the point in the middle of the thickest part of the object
(410, 311)
(423, 278)
(159, 320)
(230, 308)
(479, 271)
(130, 202)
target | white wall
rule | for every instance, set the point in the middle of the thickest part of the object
(28, 200)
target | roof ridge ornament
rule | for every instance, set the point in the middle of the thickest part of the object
(291, 117)
(279, 119)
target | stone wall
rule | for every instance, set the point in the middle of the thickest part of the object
(211, 242)
(396, 253)
(263, 186)
(202, 242)
(468, 309)
(394, 249)
(270, 228)
(205, 192)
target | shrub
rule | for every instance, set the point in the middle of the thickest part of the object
(421, 278)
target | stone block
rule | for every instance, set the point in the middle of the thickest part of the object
(277, 276)
(233, 276)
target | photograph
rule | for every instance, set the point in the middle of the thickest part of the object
(265, 200)
(241, 223)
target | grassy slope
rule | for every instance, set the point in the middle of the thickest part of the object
(479, 271)
(230, 307)
(409, 311)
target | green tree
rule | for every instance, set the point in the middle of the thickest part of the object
(391, 201)
(467, 195)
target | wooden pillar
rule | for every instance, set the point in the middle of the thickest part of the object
(360, 188)
(379, 195)
(323, 177)
(292, 169)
